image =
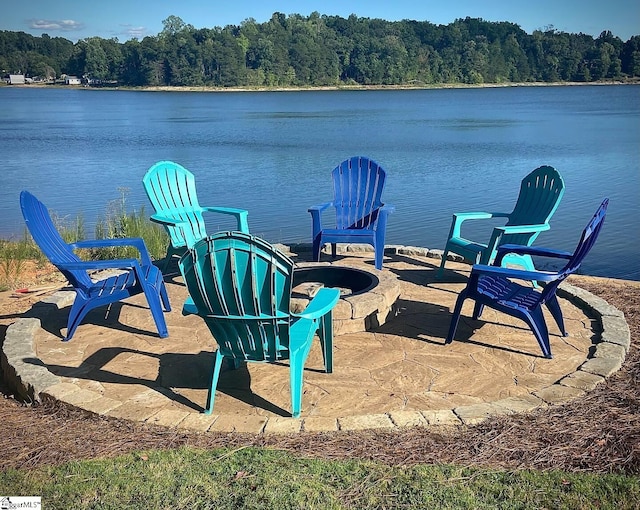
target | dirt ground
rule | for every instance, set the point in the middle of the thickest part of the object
(599, 432)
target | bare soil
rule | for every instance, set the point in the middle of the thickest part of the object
(599, 432)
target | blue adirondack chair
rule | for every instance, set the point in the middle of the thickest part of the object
(361, 217)
(241, 286)
(171, 188)
(494, 287)
(135, 276)
(540, 194)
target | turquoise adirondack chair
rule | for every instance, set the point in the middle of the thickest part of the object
(361, 217)
(241, 286)
(540, 194)
(133, 276)
(498, 287)
(171, 189)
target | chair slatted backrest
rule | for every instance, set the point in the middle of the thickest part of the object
(44, 233)
(358, 183)
(171, 189)
(539, 197)
(587, 240)
(241, 286)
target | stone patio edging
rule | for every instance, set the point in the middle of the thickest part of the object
(33, 382)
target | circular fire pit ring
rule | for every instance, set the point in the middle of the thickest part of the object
(367, 299)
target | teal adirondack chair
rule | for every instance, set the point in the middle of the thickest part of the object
(171, 188)
(241, 286)
(540, 194)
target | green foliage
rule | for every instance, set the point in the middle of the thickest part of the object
(120, 223)
(13, 256)
(329, 50)
(71, 230)
(263, 478)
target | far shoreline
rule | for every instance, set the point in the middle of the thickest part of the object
(345, 87)
(439, 86)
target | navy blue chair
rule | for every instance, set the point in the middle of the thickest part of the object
(493, 286)
(134, 276)
(361, 217)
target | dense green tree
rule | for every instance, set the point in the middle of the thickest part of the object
(325, 50)
(630, 56)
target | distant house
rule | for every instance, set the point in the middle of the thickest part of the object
(72, 80)
(16, 79)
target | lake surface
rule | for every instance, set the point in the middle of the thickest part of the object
(272, 153)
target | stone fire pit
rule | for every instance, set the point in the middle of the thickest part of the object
(367, 298)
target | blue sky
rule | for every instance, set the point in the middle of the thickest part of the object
(124, 19)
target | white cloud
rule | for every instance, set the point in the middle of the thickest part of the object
(132, 31)
(65, 25)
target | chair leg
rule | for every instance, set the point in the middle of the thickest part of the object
(334, 250)
(153, 298)
(164, 297)
(325, 333)
(167, 259)
(538, 326)
(214, 383)
(455, 318)
(316, 248)
(379, 247)
(556, 312)
(442, 263)
(379, 253)
(296, 368)
(171, 252)
(478, 308)
(299, 347)
(78, 311)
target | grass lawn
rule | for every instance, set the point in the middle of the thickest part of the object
(268, 478)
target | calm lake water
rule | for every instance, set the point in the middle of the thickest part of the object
(272, 153)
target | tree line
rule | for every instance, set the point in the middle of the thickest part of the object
(320, 50)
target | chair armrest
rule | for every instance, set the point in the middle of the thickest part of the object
(519, 274)
(190, 308)
(320, 207)
(240, 215)
(101, 264)
(322, 303)
(316, 216)
(523, 229)
(459, 218)
(539, 251)
(167, 221)
(383, 213)
(136, 242)
(498, 232)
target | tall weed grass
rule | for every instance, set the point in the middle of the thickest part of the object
(117, 223)
(14, 254)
